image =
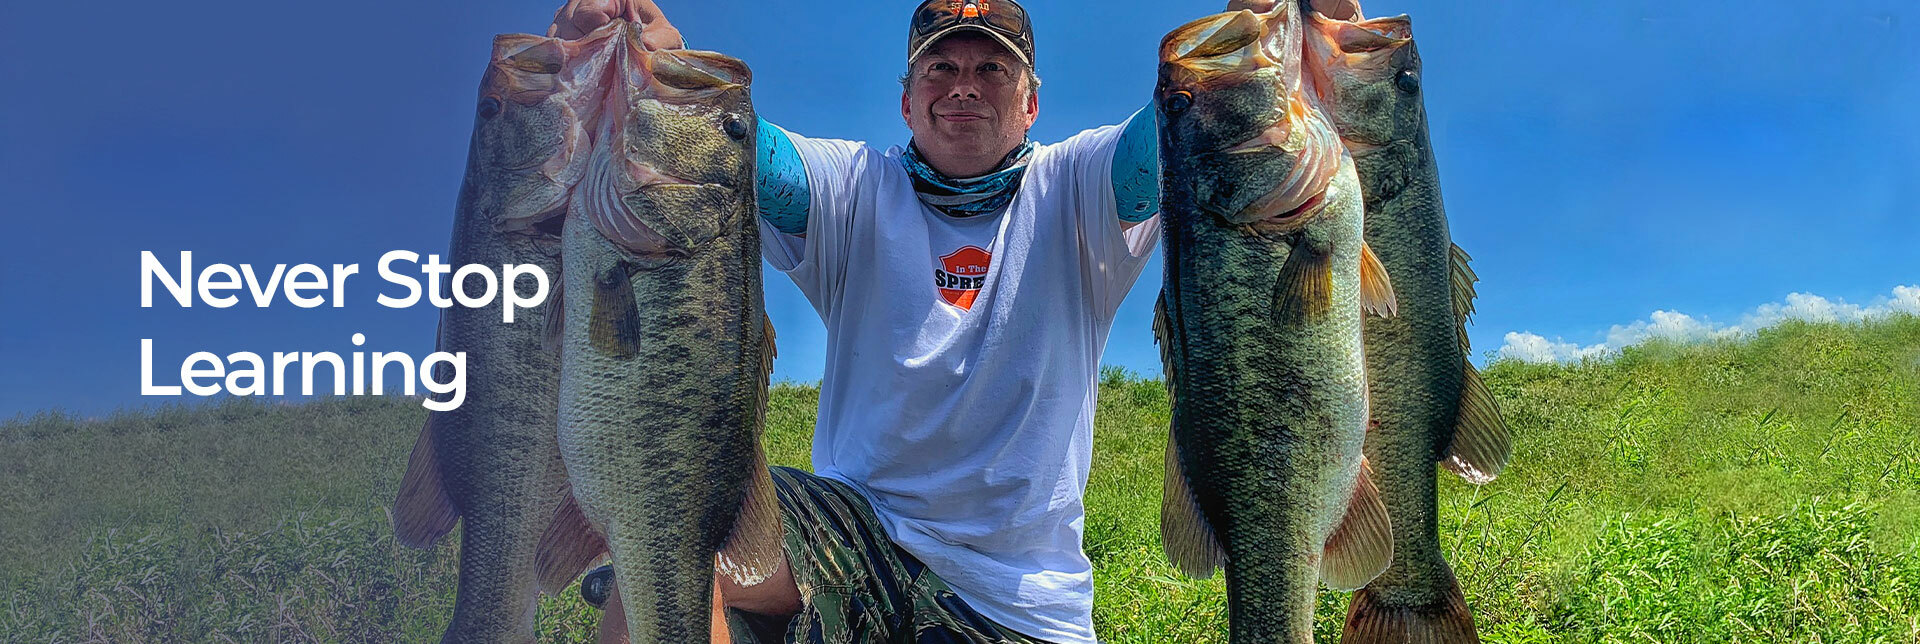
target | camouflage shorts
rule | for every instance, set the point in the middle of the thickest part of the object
(856, 587)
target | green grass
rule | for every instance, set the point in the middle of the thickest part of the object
(1765, 490)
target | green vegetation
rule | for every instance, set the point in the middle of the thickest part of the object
(1758, 491)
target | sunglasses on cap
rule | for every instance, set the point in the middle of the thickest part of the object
(1004, 20)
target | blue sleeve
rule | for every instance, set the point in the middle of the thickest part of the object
(1136, 168)
(781, 181)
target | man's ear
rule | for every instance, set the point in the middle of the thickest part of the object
(906, 109)
(1033, 106)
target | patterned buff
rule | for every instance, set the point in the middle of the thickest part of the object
(967, 197)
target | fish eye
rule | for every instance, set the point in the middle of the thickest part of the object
(1407, 80)
(735, 126)
(1179, 101)
(489, 107)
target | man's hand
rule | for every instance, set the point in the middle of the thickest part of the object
(580, 17)
(1256, 6)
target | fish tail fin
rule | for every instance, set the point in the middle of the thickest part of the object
(753, 552)
(422, 513)
(568, 547)
(1481, 441)
(1447, 621)
(1362, 546)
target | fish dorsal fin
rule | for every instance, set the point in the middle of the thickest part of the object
(1462, 278)
(1185, 535)
(1162, 330)
(1376, 289)
(1481, 441)
(767, 353)
(752, 553)
(423, 512)
(768, 346)
(1362, 545)
(569, 546)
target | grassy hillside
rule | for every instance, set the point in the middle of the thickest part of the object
(1759, 491)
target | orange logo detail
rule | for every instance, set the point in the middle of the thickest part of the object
(961, 274)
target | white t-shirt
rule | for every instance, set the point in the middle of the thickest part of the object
(961, 364)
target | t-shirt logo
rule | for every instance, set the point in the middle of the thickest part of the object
(960, 275)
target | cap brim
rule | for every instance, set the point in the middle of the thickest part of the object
(1004, 42)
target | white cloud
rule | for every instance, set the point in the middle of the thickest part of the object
(1675, 326)
(1906, 299)
(1528, 347)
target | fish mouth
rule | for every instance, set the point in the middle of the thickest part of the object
(1236, 81)
(1305, 151)
(631, 197)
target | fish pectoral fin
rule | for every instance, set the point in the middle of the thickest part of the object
(1462, 278)
(423, 512)
(753, 552)
(1185, 535)
(1481, 441)
(1376, 289)
(1306, 282)
(1362, 545)
(615, 326)
(569, 546)
(556, 321)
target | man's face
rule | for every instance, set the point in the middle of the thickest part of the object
(968, 98)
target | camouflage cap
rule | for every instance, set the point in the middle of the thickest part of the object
(1003, 20)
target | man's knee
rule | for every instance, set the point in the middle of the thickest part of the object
(777, 596)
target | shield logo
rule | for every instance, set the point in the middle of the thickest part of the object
(960, 275)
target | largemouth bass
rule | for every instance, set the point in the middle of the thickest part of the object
(1428, 403)
(492, 463)
(666, 348)
(1259, 326)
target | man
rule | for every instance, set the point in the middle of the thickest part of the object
(967, 281)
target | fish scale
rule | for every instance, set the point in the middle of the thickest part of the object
(1427, 403)
(1259, 325)
(492, 463)
(666, 348)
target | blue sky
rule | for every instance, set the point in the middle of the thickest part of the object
(1600, 160)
